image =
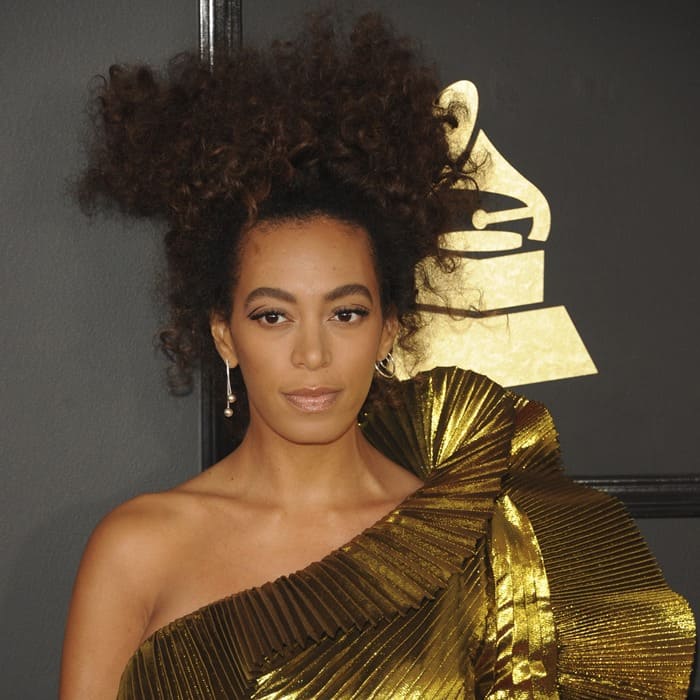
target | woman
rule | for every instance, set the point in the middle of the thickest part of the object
(437, 549)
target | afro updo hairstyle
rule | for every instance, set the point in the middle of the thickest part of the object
(340, 124)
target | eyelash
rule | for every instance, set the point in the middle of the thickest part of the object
(260, 315)
(358, 311)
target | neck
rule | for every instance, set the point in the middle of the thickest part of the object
(270, 469)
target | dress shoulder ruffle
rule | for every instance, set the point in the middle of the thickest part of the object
(580, 605)
(620, 631)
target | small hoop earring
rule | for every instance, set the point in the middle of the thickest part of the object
(230, 396)
(387, 367)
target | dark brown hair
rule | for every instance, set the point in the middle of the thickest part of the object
(340, 124)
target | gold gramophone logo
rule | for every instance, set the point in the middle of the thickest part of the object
(497, 323)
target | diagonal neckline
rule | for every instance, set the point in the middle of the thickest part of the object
(256, 589)
(408, 554)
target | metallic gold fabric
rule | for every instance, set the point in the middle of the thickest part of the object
(499, 578)
(525, 639)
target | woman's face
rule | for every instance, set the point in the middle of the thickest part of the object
(306, 327)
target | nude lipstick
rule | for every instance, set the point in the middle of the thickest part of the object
(312, 399)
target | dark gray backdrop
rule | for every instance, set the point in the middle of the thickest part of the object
(86, 421)
(595, 103)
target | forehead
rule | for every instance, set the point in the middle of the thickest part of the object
(312, 252)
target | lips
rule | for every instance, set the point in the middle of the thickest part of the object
(312, 399)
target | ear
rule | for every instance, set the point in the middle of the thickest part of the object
(389, 331)
(223, 339)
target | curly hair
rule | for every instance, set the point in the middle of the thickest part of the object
(343, 124)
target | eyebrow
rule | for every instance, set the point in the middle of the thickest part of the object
(344, 290)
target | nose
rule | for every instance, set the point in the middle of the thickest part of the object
(311, 349)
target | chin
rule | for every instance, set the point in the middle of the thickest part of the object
(314, 429)
(315, 434)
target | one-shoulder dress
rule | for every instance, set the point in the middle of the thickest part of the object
(499, 578)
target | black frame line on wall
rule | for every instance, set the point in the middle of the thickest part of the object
(220, 32)
(669, 496)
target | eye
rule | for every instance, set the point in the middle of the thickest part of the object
(269, 318)
(350, 315)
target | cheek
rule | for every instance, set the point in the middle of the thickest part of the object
(355, 361)
(260, 375)
(361, 352)
(259, 361)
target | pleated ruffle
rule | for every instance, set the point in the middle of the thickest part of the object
(621, 632)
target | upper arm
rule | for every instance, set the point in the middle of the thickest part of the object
(112, 600)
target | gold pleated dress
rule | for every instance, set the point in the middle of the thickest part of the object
(499, 578)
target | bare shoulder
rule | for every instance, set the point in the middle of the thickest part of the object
(122, 572)
(143, 519)
(139, 542)
(133, 537)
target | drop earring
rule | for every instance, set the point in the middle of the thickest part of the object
(387, 367)
(230, 396)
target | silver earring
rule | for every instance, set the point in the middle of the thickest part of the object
(387, 367)
(230, 396)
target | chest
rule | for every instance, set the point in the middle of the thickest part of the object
(226, 553)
